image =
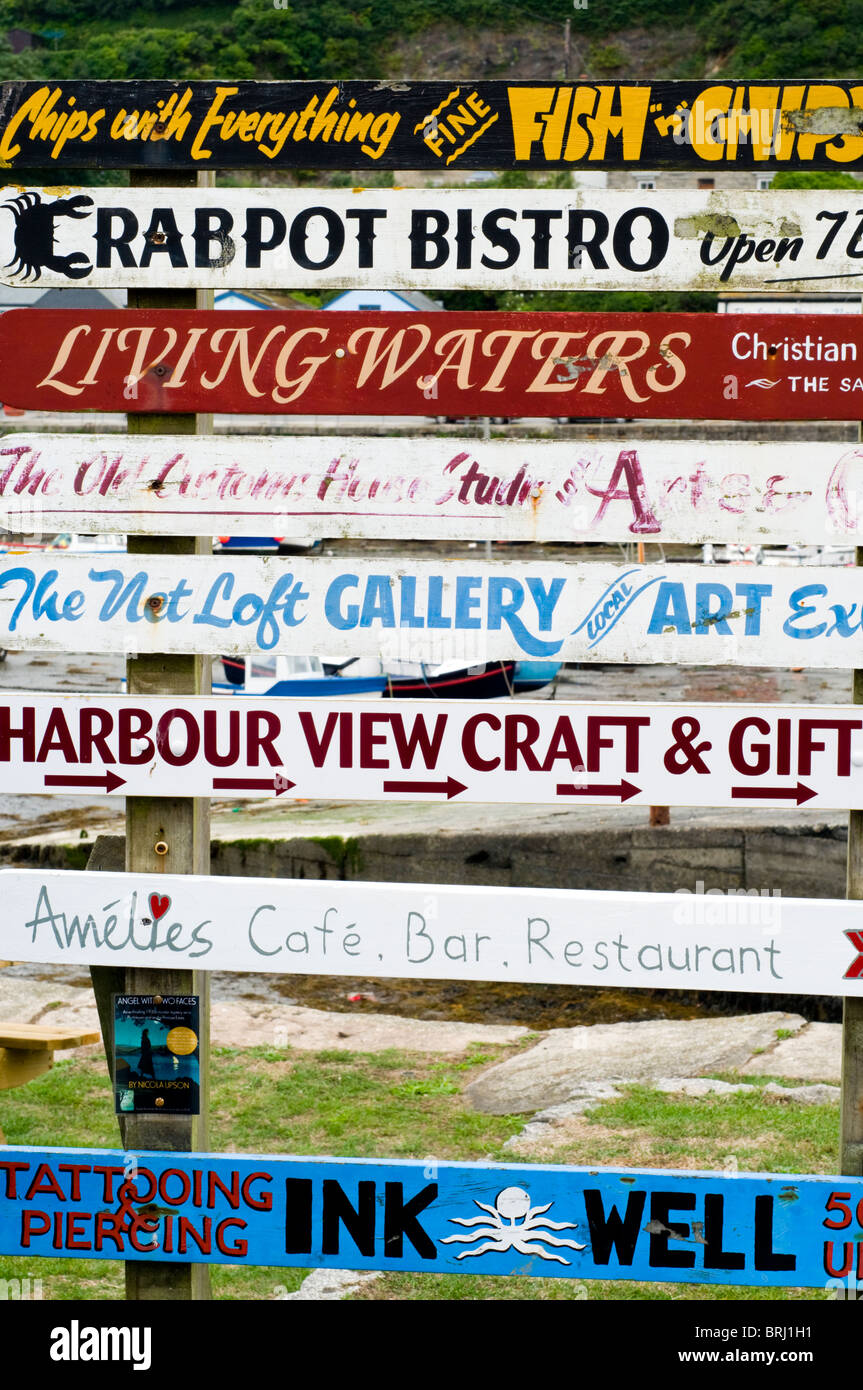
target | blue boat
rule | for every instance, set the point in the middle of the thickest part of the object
(368, 678)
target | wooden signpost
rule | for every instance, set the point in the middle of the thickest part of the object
(442, 489)
(771, 1229)
(543, 752)
(751, 942)
(165, 834)
(432, 125)
(427, 610)
(491, 239)
(170, 1212)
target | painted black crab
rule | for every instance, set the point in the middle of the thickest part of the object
(34, 236)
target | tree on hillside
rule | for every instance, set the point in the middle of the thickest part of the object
(815, 178)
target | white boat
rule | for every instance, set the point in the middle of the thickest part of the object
(72, 543)
(779, 555)
(301, 676)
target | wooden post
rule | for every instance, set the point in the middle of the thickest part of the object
(851, 1122)
(851, 1155)
(169, 835)
(657, 815)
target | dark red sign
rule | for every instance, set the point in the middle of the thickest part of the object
(661, 366)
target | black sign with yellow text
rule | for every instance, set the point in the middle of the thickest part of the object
(447, 126)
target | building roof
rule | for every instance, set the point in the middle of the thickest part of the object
(81, 299)
(17, 297)
(35, 297)
(415, 299)
(260, 300)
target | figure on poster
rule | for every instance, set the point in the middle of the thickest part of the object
(145, 1064)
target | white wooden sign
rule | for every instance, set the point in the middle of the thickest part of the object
(529, 239)
(435, 611)
(754, 941)
(516, 490)
(401, 750)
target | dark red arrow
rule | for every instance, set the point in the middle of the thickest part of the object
(450, 786)
(107, 781)
(624, 789)
(855, 970)
(798, 793)
(277, 784)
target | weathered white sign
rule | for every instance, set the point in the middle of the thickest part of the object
(529, 751)
(753, 941)
(516, 490)
(528, 239)
(435, 611)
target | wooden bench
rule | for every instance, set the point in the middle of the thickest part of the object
(27, 1050)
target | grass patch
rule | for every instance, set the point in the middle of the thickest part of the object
(399, 1104)
(763, 1133)
(476, 1287)
(354, 1105)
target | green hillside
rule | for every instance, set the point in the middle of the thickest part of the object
(416, 38)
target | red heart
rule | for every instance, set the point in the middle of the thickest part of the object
(158, 906)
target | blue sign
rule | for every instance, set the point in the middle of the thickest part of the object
(698, 1228)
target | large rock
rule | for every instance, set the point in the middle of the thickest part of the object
(549, 1073)
(315, 1030)
(256, 1024)
(813, 1055)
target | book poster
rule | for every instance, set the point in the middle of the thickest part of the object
(156, 1057)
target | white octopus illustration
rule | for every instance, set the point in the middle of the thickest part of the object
(525, 1232)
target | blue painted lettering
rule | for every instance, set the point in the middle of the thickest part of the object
(706, 616)
(800, 609)
(842, 623)
(222, 586)
(753, 596)
(408, 615)
(466, 601)
(545, 600)
(378, 606)
(341, 620)
(131, 593)
(670, 611)
(46, 602)
(28, 579)
(436, 616)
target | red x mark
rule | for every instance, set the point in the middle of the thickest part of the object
(855, 970)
